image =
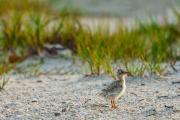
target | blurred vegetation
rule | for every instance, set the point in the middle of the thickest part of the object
(3, 82)
(29, 25)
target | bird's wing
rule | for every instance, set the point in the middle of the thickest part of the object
(112, 89)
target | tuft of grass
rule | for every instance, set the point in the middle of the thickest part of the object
(3, 82)
(136, 68)
(35, 32)
(5, 68)
(12, 34)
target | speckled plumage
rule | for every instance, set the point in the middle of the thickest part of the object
(112, 90)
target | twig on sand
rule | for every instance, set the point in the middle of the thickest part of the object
(175, 82)
(166, 77)
(172, 65)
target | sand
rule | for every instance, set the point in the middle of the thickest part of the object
(66, 94)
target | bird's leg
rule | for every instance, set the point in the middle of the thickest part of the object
(113, 104)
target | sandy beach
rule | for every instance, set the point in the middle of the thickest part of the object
(66, 94)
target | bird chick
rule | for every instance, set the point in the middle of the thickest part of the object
(117, 88)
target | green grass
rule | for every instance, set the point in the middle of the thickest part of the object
(36, 24)
(3, 82)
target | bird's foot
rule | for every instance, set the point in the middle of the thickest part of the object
(113, 104)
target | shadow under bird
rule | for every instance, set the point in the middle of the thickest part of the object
(116, 89)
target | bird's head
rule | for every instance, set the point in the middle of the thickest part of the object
(121, 73)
